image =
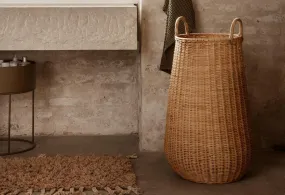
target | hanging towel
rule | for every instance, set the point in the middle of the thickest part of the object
(174, 9)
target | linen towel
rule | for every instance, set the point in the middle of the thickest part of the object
(174, 9)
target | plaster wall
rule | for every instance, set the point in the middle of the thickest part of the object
(112, 92)
(78, 93)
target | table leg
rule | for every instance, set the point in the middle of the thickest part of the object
(9, 139)
(33, 117)
(9, 125)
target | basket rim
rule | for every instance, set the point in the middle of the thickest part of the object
(219, 37)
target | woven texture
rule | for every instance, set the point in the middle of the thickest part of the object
(174, 9)
(207, 137)
(64, 173)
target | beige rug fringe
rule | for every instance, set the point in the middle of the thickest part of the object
(43, 192)
(4, 192)
(121, 169)
(52, 192)
(95, 191)
(117, 191)
(59, 192)
(134, 190)
(15, 192)
(111, 192)
(133, 156)
(30, 192)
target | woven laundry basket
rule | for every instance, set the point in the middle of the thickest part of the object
(207, 137)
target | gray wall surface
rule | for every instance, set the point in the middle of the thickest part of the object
(99, 92)
(78, 93)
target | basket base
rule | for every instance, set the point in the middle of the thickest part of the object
(213, 182)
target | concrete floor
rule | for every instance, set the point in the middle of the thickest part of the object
(155, 177)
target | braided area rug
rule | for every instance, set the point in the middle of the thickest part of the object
(67, 175)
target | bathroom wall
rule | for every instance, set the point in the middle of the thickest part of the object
(264, 51)
(97, 92)
(78, 92)
(154, 82)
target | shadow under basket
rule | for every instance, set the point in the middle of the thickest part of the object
(17, 80)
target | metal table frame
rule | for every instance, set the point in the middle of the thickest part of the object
(18, 80)
(9, 139)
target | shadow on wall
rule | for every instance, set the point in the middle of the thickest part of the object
(264, 47)
(78, 93)
(266, 88)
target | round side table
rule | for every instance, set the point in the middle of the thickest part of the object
(17, 80)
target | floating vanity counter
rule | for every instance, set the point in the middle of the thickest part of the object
(68, 28)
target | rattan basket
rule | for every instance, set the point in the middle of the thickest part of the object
(207, 137)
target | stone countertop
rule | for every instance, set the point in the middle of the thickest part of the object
(69, 28)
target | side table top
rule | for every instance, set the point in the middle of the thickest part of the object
(18, 79)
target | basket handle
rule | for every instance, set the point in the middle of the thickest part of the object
(232, 30)
(181, 18)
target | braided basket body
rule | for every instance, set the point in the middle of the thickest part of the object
(207, 138)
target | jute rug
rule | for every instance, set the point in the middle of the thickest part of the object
(67, 175)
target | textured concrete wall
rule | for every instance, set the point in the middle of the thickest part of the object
(66, 106)
(264, 51)
(154, 82)
(78, 92)
(83, 28)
